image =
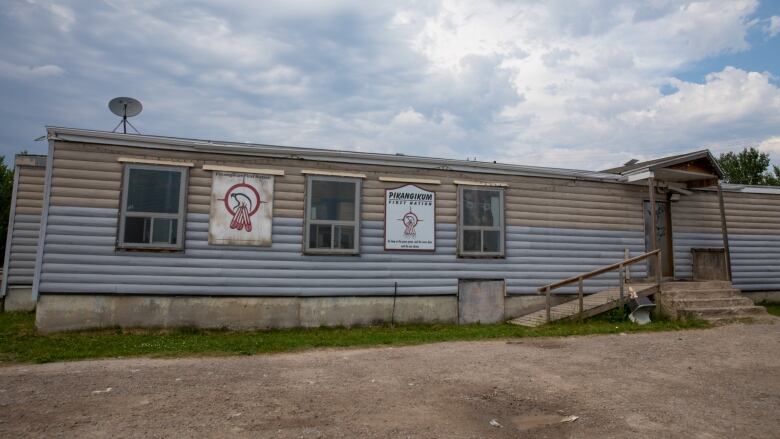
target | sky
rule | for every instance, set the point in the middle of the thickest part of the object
(587, 84)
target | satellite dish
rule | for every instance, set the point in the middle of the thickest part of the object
(125, 107)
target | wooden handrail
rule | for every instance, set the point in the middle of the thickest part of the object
(597, 271)
(622, 266)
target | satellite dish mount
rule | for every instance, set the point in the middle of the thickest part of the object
(124, 108)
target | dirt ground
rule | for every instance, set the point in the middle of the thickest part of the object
(715, 383)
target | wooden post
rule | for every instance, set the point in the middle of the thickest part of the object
(547, 291)
(579, 295)
(653, 226)
(724, 230)
(627, 255)
(658, 272)
(622, 277)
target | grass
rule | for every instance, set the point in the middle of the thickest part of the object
(772, 308)
(20, 342)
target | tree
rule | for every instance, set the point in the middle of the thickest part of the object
(6, 189)
(774, 180)
(748, 167)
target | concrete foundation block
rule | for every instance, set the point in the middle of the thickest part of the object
(72, 312)
(19, 298)
(235, 312)
(345, 311)
(763, 296)
(66, 313)
(429, 309)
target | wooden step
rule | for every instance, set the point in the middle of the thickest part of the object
(718, 302)
(702, 294)
(693, 286)
(721, 313)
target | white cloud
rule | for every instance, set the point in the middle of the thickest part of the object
(773, 27)
(727, 96)
(14, 71)
(409, 117)
(63, 16)
(771, 146)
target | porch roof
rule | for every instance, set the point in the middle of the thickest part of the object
(695, 169)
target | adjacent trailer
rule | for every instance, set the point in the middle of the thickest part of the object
(146, 231)
(24, 224)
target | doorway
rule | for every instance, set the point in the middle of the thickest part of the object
(663, 238)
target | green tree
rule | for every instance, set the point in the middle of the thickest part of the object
(774, 179)
(748, 167)
(6, 189)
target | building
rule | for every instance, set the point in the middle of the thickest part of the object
(157, 231)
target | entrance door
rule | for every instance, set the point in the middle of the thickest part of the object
(663, 237)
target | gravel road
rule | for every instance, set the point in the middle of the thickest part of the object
(716, 383)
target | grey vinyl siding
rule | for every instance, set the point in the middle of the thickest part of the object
(26, 224)
(754, 235)
(80, 258)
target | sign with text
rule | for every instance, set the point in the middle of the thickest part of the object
(410, 219)
(241, 209)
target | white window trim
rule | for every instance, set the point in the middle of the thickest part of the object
(480, 183)
(180, 216)
(141, 160)
(332, 173)
(409, 180)
(265, 171)
(501, 227)
(308, 221)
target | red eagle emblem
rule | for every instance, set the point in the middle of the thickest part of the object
(410, 221)
(242, 201)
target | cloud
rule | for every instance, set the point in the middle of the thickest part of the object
(63, 16)
(548, 83)
(727, 96)
(29, 72)
(773, 27)
(771, 146)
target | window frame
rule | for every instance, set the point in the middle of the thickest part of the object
(501, 228)
(180, 216)
(308, 222)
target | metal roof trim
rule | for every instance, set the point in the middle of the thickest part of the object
(751, 189)
(289, 152)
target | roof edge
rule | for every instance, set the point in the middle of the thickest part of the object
(328, 155)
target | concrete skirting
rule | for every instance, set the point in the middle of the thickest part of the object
(19, 298)
(759, 297)
(72, 312)
(66, 312)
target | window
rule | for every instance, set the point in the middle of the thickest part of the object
(481, 221)
(332, 215)
(152, 207)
